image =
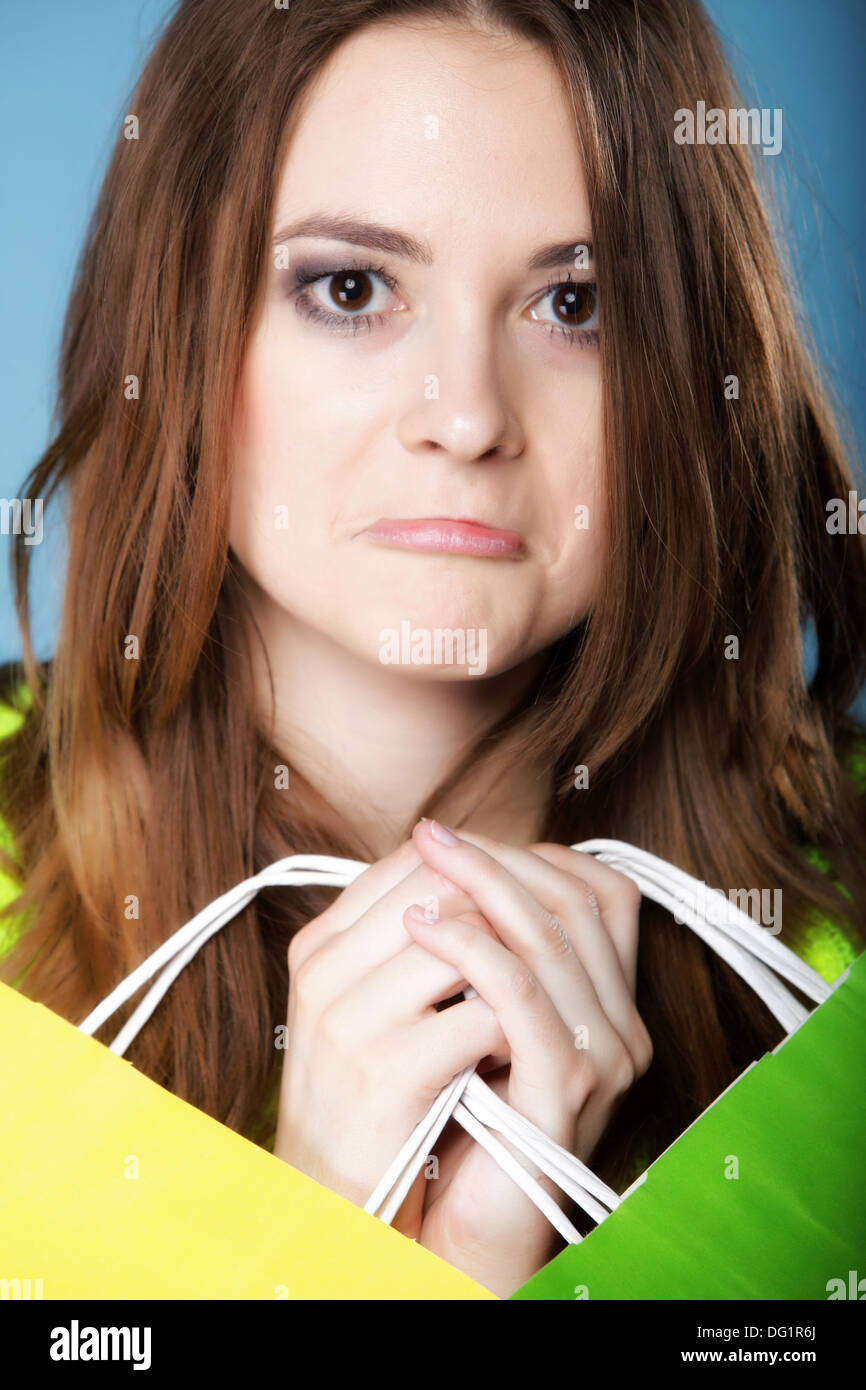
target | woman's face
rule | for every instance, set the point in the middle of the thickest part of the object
(437, 374)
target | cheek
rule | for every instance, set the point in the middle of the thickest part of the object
(294, 479)
(575, 486)
(278, 478)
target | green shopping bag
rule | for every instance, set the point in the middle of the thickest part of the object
(763, 1197)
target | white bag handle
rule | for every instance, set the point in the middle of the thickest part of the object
(747, 948)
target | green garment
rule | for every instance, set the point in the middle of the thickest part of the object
(826, 945)
(10, 718)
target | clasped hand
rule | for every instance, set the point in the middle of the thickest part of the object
(548, 938)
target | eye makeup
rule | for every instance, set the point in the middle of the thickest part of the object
(580, 298)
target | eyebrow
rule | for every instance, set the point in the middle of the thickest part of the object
(396, 243)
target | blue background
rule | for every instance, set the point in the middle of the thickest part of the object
(68, 73)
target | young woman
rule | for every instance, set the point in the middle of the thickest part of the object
(439, 441)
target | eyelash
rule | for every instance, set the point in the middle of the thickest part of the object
(357, 323)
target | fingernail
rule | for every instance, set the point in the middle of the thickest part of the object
(417, 914)
(443, 834)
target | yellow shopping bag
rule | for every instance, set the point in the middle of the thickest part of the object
(113, 1188)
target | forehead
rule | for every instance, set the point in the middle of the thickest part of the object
(452, 134)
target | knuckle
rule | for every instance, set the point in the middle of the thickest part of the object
(628, 892)
(299, 949)
(303, 984)
(522, 982)
(584, 1080)
(307, 940)
(642, 1049)
(490, 1034)
(589, 896)
(623, 1071)
(553, 937)
(335, 1026)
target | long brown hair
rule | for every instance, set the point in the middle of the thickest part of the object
(139, 789)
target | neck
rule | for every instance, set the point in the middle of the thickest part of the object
(376, 741)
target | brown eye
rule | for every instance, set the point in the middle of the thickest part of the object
(575, 303)
(350, 289)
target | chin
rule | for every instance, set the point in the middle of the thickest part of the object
(433, 641)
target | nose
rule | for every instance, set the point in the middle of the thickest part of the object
(461, 410)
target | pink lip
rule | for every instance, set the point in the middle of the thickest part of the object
(460, 537)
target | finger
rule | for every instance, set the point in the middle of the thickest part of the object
(434, 1049)
(617, 896)
(403, 988)
(355, 899)
(569, 898)
(537, 936)
(618, 900)
(543, 1065)
(345, 956)
(459, 1037)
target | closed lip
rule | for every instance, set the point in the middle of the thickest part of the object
(457, 535)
